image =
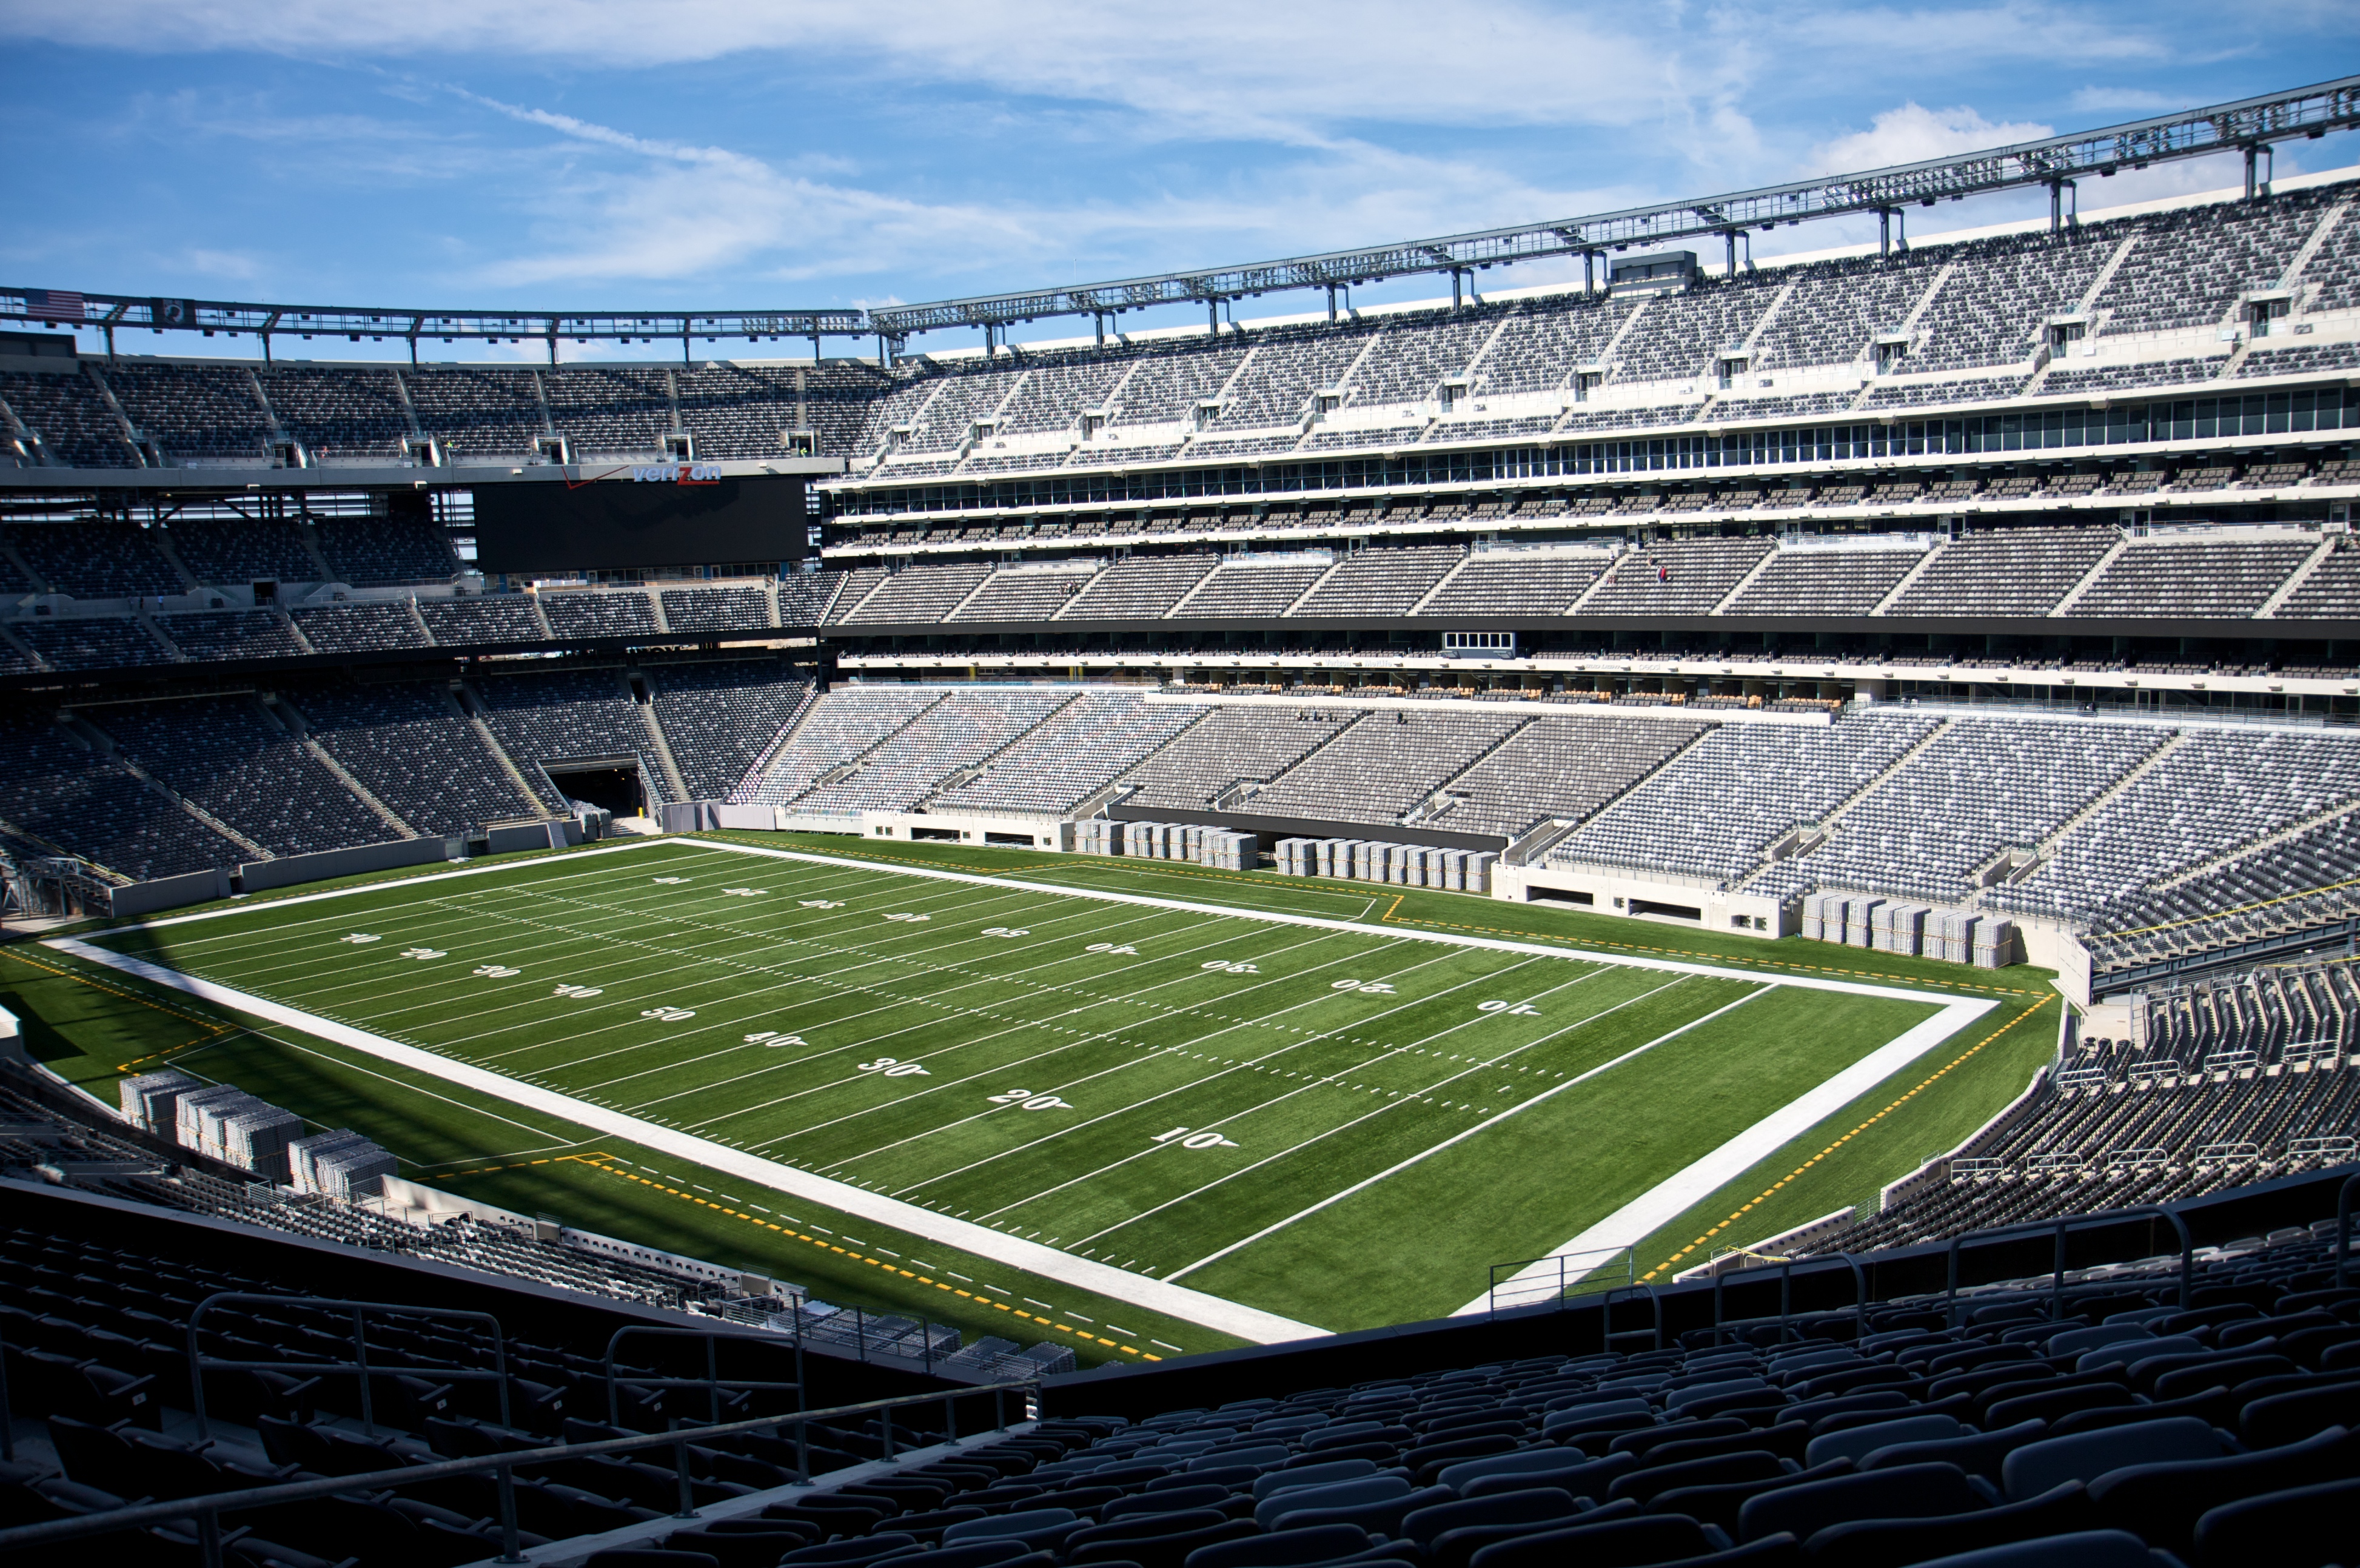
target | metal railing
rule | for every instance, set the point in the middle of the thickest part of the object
(207, 1509)
(2059, 1226)
(1558, 1282)
(1785, 1268)
(199, 1362)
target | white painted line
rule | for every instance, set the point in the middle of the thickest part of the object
(1447, 939)
(1636, 1051)
(1193, 1306)
(1640, 1218)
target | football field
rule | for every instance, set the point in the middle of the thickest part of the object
(1267, 1124)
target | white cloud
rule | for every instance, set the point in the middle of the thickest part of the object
(1913, 134)
(2125, 99)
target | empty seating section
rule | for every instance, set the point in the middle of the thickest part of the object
(858, 586)
(229, 757)
(716, 609)
(1238, 591)
(1824, 582)
(619, 412)
(76, 427)
(471, 622)
(193, 410)
(1677, 335)
(2145, 1137)
(960, 731)
(1290, 363)
(2214, 792)
(836, 729)
(955, 401)
(2283, 887)
(598, 611)
(1995, 304)
(2332, 592)
(1075, 754)
(1140, 588)
(1033, 594)
(1380, 583)
(2190, 265)
(365, 551)
(720, 719)
(920, 594)
(1682, 578)
(1409, 363)
(1564, 769)
(2173, 578)
(412, 747)
(95, 560)
(1980, 787)
(369, 626)
(1715, 808)
(2015, 572)
(1170, 382)
(90, 644)
(2331, 278)
(339, 415)
(242, 549)
(231, 634)
(64, 792)
(1836, 310)
(570, 717)
(1232, 744)
(734, 413)
(1054, 395)
(1547, 340)
(804, 598)
(1386, 764)
(1957, 390)
(1516, 583)
(477, 411)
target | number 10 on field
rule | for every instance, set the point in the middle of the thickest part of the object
(1199, 1140)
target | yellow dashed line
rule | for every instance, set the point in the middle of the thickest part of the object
(1768, 1192)
(598, 1163)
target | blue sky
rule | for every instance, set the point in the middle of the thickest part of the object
(709, 154)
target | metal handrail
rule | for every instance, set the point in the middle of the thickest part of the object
(2060, 1225)
(208, 1508)
(199, 1360)
(2343, 1229)
(711, 1382)
(1606, 1315)
(1785, 1268)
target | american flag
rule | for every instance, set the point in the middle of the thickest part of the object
(52, 305)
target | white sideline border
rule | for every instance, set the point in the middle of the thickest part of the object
(1176, 1300)
(1640, 1218)
(1213, 1311)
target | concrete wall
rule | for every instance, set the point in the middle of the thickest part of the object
(170, 893)
(533, 835)
(1613, 890)
(12, 1037)
(256, 876)
(972, 827)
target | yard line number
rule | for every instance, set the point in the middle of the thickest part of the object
(1192, 1140)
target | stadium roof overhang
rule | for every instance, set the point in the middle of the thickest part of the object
(2250, 125)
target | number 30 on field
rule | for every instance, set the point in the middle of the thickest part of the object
(1199, 1140)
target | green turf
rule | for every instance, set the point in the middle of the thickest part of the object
(1270, 1042)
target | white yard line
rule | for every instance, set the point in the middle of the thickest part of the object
(1192, 1306)
(1427, 1153)
(1675, 1195)
(1670, 1197)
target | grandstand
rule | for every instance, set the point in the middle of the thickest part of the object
(1986, 607)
